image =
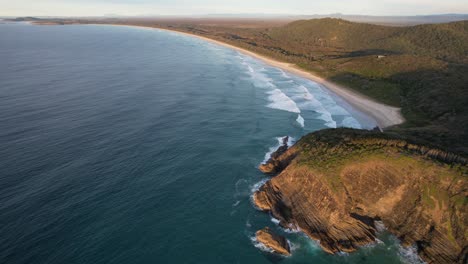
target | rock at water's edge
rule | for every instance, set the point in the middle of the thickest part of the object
(274, 164)
(277, 243)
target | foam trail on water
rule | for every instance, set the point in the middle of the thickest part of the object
(284, 74)
(300, 120)
(281, 101)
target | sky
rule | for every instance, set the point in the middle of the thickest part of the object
(203, 7)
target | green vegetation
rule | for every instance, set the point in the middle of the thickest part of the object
(333, 149)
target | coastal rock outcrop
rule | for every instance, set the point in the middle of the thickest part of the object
(278, 159)
(278, 244)
(334, 184)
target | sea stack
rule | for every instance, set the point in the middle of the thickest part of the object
(277, 243)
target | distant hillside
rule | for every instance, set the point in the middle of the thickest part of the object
(395, 20)
(443, 41)
(21, 19)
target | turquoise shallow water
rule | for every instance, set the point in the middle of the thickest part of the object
(130, 145)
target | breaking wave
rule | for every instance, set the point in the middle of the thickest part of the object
(260, 245)
(279, 100)
(272, 149)
(300, 120)
(350, 121)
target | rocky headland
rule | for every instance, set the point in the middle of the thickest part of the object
(334, 184)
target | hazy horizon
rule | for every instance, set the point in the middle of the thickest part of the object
(65, 8)
(231, 15)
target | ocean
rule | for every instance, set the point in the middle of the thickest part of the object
(134, 145)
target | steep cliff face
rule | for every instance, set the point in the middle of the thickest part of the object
(334, 184)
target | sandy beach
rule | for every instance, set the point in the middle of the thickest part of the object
(383, 114)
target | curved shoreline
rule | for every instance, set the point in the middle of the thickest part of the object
(383, 114)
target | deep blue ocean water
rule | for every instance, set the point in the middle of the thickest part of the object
(132, 145)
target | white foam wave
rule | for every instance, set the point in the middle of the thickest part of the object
(255, 188)
(264, 248)
(349, 121)
(275, 221)
(327, 117)
(322, 95)
(409, 255)
(307, 101)
(307, 94)
(260, 80)
(257, 185)
(284, 74)
(297, 97)
(256, 73)
(260, 245)
(300, 120)
(279, 140)
(281, 101)
(292, 229)
(380, 226)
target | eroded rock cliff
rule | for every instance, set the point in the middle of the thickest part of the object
(334, 184)
(276, 243)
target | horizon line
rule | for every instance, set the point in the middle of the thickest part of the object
(233, 15)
